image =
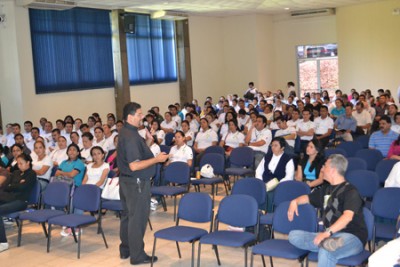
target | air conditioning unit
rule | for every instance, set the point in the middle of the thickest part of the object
(47, 4)
(168, 15)
(313, 13)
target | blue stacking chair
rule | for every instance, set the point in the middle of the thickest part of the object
(285, 191)
(87, 198)
(195, 208)
(242, 161)
(361, 257)
(371, 157)
(215, 149)
(34, 200)
(237, 211)
(169, 137)
(57, 195)
(383, 169)
(350, 147)
(355, 164)
(177, 173)
(386, 205)
(217, 161)
(363, 140)
(366, 182)
(331, 151)
(281, 248)
(165, 149)
(252, 187)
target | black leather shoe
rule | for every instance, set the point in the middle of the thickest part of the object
(124, 256)
(146, 260)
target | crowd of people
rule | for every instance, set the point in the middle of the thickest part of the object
(288, 136)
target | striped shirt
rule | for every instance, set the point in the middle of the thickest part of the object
(381, 141)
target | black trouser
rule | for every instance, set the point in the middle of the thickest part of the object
(323, 141)
(135, 200)
(7, 208)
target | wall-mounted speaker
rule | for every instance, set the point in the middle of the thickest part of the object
(129, 23)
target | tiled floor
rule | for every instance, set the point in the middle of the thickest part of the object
(63, 250)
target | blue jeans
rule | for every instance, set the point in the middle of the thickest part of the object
(305, 240)
(7, 208)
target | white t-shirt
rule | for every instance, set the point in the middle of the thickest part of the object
(169, 125)
(182, 154)
(393, 180)
(189, 133)
(38, 164)
(85, 153)
(323, 125)
(362, 118)
(205, 139)
(177, 119)
(59, 155)
(287, 131)
(155, 149)
(109, 143)
(292, 123)
(395, 128)
(94, 174)
(194, 126)
(243, 121)
(224, 129)
(265, 134)
(214, 125)
(273, 126)
(161, 135)
(305, 126)
(233, 139)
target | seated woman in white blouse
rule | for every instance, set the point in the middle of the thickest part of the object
(87, 142)
(168, 125)
(97, 171)
(275, 164)
(42, 164)
(233, 138)
(59, 154)
(155, 130)
(180, 151)
(189, 135)
(205, 137)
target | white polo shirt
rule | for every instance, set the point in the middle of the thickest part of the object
(205, 139)
(265, 134)
(59, 155)
(182, 154)
(305, 126)
(169, 125)
(233, 139)
(287, 131)
(323, 125)
(362, 118)
(292, 123)
(191, 134)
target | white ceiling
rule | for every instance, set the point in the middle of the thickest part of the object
(220, 7)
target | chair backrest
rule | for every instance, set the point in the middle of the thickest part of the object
(252, 187)
(196, 207)
(168, 138)
(371, 157)
(87, 197)
(386, 203)
(366, 182)
(217, 161)
(306, 221)
(242, 156)
(331, 151)
(350, 147)
(165, 149)
(363, 140)
(289, 190)
(57, 194)
(215, 149)
(383, 169)
(369, 222)
(35, 194)
(356, 164)
(177, 172)
(238, 211)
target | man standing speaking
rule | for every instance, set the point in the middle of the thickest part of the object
(137, 166)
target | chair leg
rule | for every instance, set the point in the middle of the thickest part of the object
(263, 260)
(217, 254)
(164, 203)
(48, 237)
(44, 229)
(153, 252)
(251, 260)
(79, 242)
(174, 208)
(74, 235)
(270, 260)
(19, 233)
(245, 257)
(213, 194)
(193, 253)
(102, 235)
(198, 255)
(226, 188)
(149, 222)
(179, 250)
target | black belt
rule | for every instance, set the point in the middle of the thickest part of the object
(42, 179)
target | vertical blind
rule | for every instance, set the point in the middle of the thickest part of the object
(72, 50)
